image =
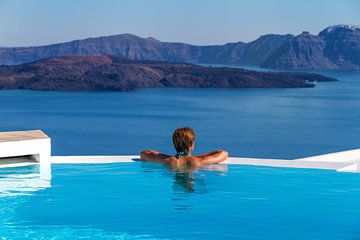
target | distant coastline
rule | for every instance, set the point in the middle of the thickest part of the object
(111, 73)
(335, 48)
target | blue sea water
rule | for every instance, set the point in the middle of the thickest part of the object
(269, 123)
(147, 201)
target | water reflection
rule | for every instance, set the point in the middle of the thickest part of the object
(16, 181)
(186, 181)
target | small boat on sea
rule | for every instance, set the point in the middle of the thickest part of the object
(313, 83)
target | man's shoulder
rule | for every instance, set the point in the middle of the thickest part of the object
(195, 161)
(171, 159)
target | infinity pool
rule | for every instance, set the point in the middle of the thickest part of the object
(147, 201)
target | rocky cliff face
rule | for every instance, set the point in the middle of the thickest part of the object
(304, 51)
(335, 48)
(256, 52)
(109, 73)
(342, 46)
(129, 46)
(137, 48)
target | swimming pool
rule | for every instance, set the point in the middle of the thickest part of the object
(146, 201)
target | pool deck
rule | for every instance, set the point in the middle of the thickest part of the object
(345, 161)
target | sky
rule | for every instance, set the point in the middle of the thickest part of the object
(200, 22)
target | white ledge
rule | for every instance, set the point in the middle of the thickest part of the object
(343, 156)
(347, 161)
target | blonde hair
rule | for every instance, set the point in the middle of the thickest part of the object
(183, 138)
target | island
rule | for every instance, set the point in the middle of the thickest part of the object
(116, 73)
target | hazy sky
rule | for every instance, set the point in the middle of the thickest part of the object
(37, 22)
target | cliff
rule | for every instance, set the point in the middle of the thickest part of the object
(335, 48)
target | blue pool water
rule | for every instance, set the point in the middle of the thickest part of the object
(146, 201)
(269, 123)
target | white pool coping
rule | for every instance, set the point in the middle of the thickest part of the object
(345, 161)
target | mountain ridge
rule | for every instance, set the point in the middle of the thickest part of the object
(334, 48)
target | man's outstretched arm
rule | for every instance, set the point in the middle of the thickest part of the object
(154, 156)
(213, 157)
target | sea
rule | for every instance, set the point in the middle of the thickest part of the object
(278, 123)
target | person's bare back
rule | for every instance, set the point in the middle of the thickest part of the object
(184, 141)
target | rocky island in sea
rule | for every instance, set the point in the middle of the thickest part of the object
(111, 73)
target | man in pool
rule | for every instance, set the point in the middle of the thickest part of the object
(184, 141)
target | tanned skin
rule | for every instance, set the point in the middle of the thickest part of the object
(187, 161)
